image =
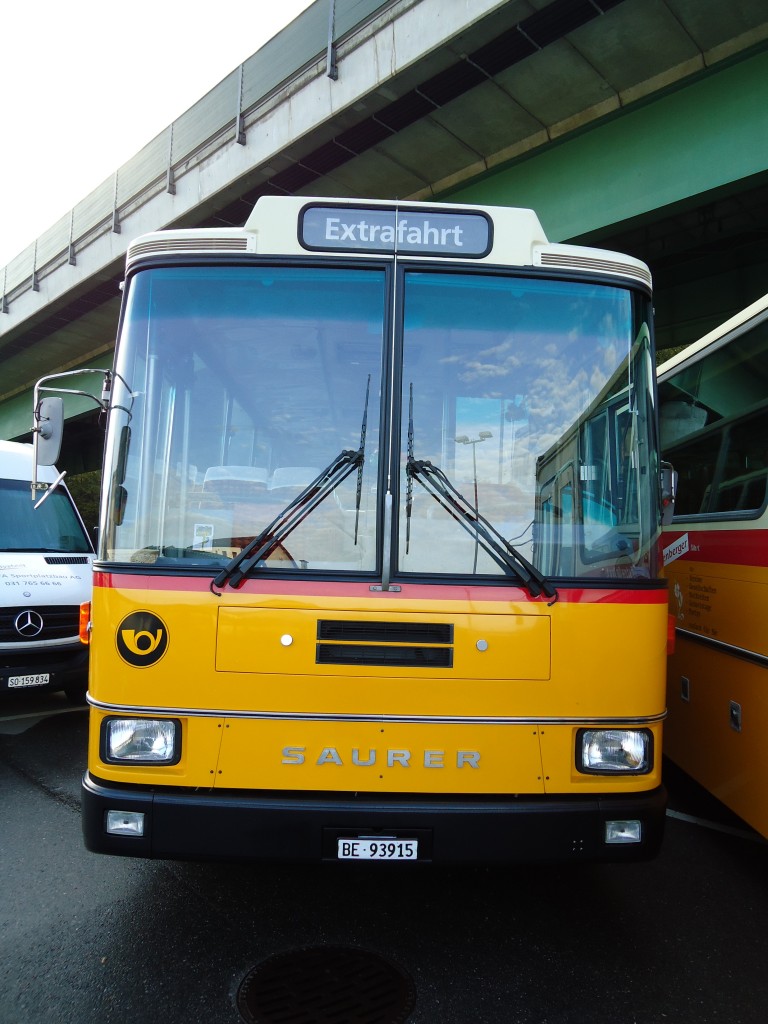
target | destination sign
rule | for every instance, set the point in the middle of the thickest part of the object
(402, 231)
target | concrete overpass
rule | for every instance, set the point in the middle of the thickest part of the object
(640, 125)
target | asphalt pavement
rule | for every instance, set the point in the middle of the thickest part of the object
(89, 939)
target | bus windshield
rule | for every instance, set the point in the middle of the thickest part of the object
(239, 389)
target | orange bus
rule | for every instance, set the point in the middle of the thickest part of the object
(378, 567)
(714, 428)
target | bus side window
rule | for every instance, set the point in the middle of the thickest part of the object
(743, 479)
(555, 541)
(724, 471)
(695, 463)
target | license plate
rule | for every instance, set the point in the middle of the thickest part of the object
(41, 679)
(377, 848)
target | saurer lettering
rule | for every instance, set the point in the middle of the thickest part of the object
(391, 758)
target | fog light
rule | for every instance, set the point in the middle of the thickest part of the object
(125, 823)
(141, 741)
(623, 832)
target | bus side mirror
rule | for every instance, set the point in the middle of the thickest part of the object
(668, 492)
(49, 428)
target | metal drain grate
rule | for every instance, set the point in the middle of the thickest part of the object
(326, 985)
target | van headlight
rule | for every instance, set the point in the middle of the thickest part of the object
(141, 741)
(614, 751)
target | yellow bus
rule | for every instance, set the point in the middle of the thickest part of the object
(377, 575)
(713, 404)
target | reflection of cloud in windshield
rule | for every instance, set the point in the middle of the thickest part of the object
(490, 362)
(551, 371)
(558, 394)
(476, 371)
(524, 372)
(559, 381)
(565, 380)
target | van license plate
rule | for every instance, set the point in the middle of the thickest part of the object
(380, 848)
(41, 679)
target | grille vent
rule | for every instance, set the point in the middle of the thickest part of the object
(188, 245)
(59, 623)
(386, 632)
(387, 644)
(569, 261)
(395, 657)
(66, 559)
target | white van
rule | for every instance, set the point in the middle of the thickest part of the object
(45, 578)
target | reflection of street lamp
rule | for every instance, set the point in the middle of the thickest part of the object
(463, 439)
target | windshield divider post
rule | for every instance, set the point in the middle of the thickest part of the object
(386, 560)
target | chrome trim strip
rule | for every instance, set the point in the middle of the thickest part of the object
(719, 645)
(316, 716)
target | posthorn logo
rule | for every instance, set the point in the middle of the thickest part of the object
(28, 624)
(142, 639)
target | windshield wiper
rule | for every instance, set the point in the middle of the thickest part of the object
(361, 452)
(436, 483)
(286, 521)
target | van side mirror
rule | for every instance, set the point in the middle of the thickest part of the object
(49, 428)
(668, 492)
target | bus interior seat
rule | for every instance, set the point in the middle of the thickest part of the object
(234, 483)
(293, 478)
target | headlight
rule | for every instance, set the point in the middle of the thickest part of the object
(141, 741)
(614, 751)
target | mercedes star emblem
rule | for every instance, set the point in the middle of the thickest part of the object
(29, 623)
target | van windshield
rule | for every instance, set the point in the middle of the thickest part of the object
(53, 527)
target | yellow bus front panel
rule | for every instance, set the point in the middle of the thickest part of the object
(373, 757)
(264, 704)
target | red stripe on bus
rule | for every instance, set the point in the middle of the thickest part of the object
(725, 547)
(361, 591)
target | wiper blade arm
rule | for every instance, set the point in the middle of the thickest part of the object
(361, 450)
(409, 476)
(436, 483)
(286, 521)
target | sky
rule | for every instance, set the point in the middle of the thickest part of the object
(85, 84)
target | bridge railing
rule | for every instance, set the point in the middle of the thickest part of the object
(215, 121)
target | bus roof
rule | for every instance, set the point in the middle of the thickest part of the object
(741, 321)
(301, 226)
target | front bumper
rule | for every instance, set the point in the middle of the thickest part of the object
(66, 668)
(304, 827)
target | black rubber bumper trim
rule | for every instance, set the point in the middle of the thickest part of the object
(304, 827)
